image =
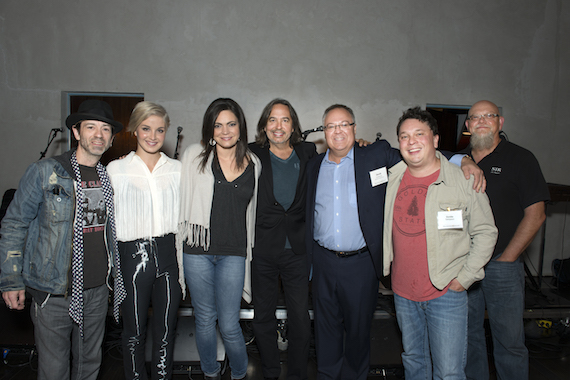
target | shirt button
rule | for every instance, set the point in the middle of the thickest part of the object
(235, 186)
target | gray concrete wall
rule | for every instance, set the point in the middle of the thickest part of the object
(377, 56)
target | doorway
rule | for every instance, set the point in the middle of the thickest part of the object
(122, 106)
(453, 136)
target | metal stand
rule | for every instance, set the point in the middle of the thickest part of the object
(51, 137)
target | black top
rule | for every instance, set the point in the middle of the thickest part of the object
(228, 233)
(274, 223)
(514, 182)
(94, 218)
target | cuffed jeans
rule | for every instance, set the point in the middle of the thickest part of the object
(216, 285)
(502, 291)
(439, 327)
(58, 338)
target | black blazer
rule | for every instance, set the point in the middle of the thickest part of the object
(370, 199)
(274, 223)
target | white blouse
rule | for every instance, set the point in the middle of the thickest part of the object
(146, 203)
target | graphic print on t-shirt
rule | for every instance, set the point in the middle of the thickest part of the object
(93, 207)
(409, 217)
(410, 270)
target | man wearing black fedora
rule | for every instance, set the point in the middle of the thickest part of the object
(66, 265)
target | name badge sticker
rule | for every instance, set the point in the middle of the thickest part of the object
(447, 220)
(378, 176)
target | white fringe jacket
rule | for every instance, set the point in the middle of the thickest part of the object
(146, 203)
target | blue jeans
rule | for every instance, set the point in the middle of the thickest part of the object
(216, 285)
(57, 337)
(502, 291)
(439, 327)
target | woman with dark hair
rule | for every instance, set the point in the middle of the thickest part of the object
(216, 232)
(146, 194)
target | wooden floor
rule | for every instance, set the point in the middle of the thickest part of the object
(549, 348)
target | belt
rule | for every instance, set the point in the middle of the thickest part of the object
(347, 253)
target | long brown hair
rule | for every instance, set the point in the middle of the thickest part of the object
(210, 117)
(296, 137)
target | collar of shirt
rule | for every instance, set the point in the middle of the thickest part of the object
(349, 156)
(133, 157)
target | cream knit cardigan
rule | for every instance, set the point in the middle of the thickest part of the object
(196, 194)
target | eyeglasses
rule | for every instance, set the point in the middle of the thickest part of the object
(332, 127)
(486, 116)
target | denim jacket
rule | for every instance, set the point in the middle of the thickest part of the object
(37, 231)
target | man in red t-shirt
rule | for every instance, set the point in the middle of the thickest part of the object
(438, 235)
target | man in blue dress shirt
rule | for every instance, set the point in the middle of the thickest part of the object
(345, 208)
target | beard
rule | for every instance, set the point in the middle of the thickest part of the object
(482, 142)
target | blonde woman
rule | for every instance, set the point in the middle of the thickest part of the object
(146, 185)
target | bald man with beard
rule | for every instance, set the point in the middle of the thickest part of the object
(517, 192)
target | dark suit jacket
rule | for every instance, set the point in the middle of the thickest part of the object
(370, 199)
(274, 223)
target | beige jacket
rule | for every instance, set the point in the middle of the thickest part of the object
(452, 253)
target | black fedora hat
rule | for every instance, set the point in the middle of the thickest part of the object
(93, 109)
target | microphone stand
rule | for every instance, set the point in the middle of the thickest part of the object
(309, 131)
(177, 141)
(51, 137)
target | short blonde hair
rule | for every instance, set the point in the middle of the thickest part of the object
(143, 111)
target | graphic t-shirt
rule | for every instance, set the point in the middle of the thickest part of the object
(94, 218)
(410, 272)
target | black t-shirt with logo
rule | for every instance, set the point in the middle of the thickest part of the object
(94, 218)
(514, 182)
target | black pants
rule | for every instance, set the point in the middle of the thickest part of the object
(150, 272)
(345, 291)
(266, 269)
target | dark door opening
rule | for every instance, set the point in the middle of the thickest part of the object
(122, 106)
(453, 135)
